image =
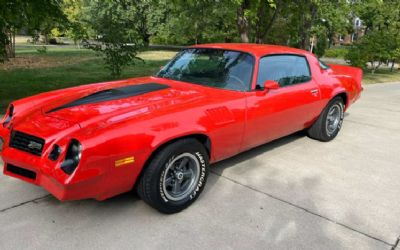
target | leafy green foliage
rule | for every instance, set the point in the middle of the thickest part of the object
(321, 46)
(117, 41)
(337, 52)
(120, 28)
(116, 55)
(73, 10)
(36, 16)
(376, 48)
(195, 21)
(381, 42)
(184, 22)
(42, 50)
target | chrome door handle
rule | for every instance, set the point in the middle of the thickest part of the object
(314, 91)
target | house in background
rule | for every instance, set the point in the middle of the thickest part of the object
(347, 39)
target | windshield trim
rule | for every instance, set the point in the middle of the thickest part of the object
(323, 65)
(249, 88)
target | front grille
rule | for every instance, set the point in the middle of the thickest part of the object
(27, 143)
(21, 171)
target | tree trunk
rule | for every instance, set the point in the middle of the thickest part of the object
(260, 22)
(331, 35)
(146, 40)
(144, 31)
(375, 68)
(196, 33)
(262, 28)
(10, 46)
(46, 38)
(242, 22)
(303, 33)
(305, 29)
(13, 44)
(227, 39)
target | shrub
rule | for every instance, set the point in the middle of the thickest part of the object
(117, 42)
(337, 52)
(321, 46)
(116, 55)
(376, 48)
(42, 50)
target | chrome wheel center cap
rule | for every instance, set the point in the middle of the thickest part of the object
(179, 175)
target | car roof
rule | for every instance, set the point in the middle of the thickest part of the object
(255, 49)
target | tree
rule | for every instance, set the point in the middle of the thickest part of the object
(34, 15)
(267, 13)
(117, 40)
(200, 21)
(243, 20)
(381, 42)
(149, 13)
(274, 21)
(255, 18)
(333, 18)
(317, 18)
(291, 22)
(73, 9)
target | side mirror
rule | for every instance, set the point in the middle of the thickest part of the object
(270, 84)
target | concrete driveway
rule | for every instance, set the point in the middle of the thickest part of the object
(294, 193)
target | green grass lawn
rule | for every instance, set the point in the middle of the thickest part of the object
(33, 73)
(61, 68)
(381, 75)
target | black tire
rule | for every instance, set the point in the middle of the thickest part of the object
(153, 185)
(319, 130)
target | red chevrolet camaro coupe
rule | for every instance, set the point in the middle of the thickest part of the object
(159, 134)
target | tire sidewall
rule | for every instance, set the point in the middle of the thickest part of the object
(202, 158)
(336, 101)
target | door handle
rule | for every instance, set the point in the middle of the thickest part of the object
(314, 92)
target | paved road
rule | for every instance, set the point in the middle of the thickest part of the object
(294, 193)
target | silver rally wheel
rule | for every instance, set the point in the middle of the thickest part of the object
(181, 177)
(329, 122)
(334, 118)
(175, 176)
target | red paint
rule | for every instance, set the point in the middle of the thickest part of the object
(136, 126)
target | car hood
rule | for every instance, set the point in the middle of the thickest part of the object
(120, 100)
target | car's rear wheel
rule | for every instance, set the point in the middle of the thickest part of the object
(175, 176)
(329, 123)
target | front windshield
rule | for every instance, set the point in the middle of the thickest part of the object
(218, 68)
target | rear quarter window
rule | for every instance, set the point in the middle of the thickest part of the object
(287, 70)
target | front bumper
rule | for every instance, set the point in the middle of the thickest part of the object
(42, 172)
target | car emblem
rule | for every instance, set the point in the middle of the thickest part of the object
(34, 145)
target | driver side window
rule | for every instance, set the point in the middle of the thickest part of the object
(287, 70)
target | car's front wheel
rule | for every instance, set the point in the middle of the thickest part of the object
(175, 176)
(329, 123)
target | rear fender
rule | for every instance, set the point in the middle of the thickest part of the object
(353, 72)
(350, 78)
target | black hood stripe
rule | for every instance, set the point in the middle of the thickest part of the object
(113, 94)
